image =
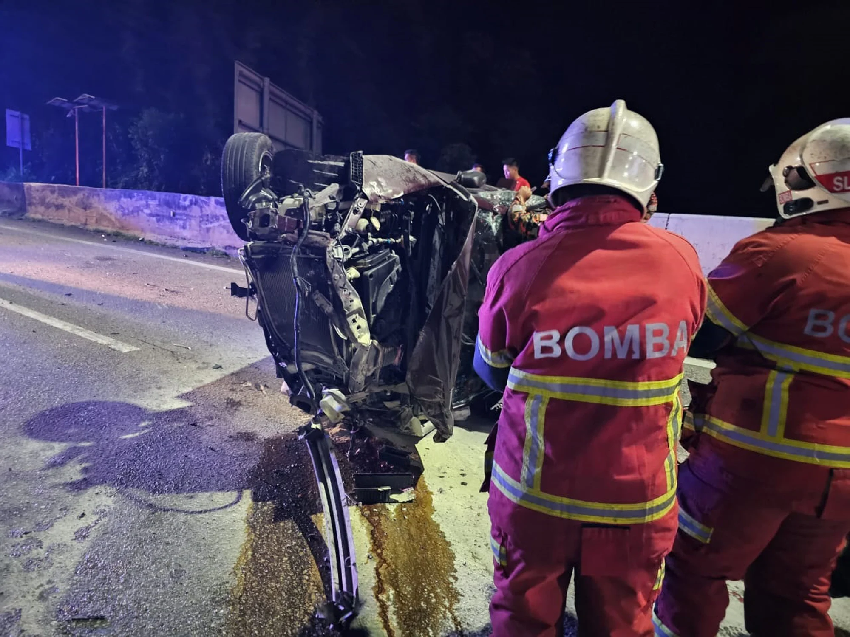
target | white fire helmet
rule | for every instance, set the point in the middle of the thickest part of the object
(612, 147)
(813, 175)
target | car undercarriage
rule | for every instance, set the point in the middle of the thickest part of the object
(385, 265)
(365, 273)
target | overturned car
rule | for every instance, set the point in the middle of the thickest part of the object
(368, 273)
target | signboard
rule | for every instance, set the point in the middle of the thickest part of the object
(262, 107)
(18, 130)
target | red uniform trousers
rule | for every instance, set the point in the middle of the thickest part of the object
(618, 572)
(780, 540)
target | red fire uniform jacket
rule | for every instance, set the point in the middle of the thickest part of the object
(591, 323)
(778, 408)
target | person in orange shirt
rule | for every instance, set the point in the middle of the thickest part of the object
(765, 494)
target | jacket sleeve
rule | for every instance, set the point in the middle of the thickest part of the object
(493, 357)
(742, 289)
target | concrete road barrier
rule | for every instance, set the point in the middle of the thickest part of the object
(12, 200)
(712, 236)
(162, 217)
(201, 222)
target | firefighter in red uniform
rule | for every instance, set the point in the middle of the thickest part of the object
(765, 493)
(586, 328)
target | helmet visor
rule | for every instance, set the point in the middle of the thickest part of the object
(633, 162)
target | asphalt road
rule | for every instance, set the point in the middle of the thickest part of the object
(151, 482)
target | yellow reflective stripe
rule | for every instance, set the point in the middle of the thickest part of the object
(581, 510)
(692, 527)
(660, 629)
(659, 579)
(775, 410)
(834, 456)
(595, 390)
(500, 359)
(529, 438)
(720, 315)
(499, 552)
(533, 450)
(674, 422)
(798, 358)
(541, 449)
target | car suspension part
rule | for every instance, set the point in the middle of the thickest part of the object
(343, 605)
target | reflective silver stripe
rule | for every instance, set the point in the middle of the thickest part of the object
(776, 403)
(720, 315)
(499, 553)
(572, 509)
(674, 427)
(695, 529)
(500, 360)
(833, 456)
(594, 390)
(798, 357)
(660, 629)
(533, 450)
(677, 422)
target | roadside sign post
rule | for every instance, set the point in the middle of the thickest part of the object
(77, 142)
(18, 135)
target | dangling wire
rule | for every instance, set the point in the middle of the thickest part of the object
(293, 262)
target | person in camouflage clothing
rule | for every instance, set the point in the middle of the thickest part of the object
(521, 224)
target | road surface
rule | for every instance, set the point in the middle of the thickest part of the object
(150, 479)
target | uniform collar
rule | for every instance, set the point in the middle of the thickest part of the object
(594, 210)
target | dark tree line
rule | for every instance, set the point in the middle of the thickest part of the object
(385, 78)
(727, 87)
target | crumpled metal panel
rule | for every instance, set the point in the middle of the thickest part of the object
(485, 250)
(500, 200)
(386, 177)
(434, 362)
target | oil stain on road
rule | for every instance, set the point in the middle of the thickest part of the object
(415, 579)
(278, 583)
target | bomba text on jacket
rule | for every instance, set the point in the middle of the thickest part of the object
(582, 343)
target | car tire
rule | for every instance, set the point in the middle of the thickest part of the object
(246, 157)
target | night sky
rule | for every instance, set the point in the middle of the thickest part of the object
(727, 87)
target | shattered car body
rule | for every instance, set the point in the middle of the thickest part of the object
(368, 272)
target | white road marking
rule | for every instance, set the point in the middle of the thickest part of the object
(68, 327)
(208, 266)
(700, 362)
